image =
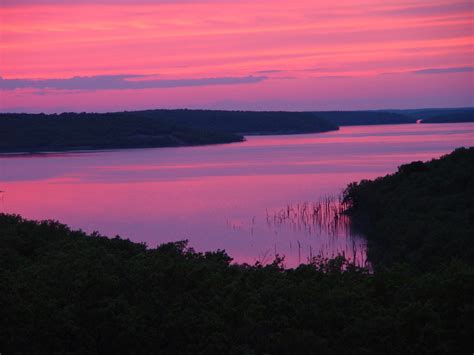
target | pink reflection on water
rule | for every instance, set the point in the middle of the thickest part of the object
(219, 197)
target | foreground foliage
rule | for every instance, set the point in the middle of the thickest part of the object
(63, 291)
(422, 215)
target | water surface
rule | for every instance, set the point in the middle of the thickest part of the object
(253, 199)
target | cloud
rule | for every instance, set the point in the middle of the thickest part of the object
(12, 3)
(444, 70)
(273, 71)
(430, 9)
(121, 82)
(321, 70)
(66, 3)
(333, 77)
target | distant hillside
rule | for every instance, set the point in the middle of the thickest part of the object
(426, 113)
(359, 118)
(463, 116)
(70, 131)
(430, 115)
(145, 129)
(244, 122)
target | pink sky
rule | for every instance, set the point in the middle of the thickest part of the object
(103, 55)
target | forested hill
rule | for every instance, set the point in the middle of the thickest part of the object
(379, 117)
(65, 292)
(457, 116)
(422, 215)
(71, 131)
(426, 114)
(172, 128)
(143, 129)
(360, 118)
(244, 122)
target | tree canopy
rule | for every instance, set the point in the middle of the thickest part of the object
(146, 129)
(422, 215)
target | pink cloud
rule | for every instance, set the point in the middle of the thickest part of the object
(188, 40)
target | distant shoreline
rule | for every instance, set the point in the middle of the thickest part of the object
(32, 133)
(92, 149)
(29, 134)
(84, 150)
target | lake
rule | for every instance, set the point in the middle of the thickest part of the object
(268, 195)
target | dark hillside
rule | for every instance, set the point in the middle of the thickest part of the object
(244, 122)
(63, 291)
(359, 118)
(422, 215)
(145, 129)
(71, 131)
(458, 116)
(428, 113)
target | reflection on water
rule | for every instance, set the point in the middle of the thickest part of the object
(247, 198)
(319, 218)
(323, 222)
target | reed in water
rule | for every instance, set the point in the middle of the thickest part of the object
(323, 217)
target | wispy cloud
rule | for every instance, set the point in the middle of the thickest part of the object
(105, 2)
(445, 70)
(121, 82)
(211, 50)
(430, 9)
(333, 77)
(272, 71)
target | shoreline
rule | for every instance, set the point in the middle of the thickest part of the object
(40, 151)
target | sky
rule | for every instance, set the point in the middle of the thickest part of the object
(114, 55)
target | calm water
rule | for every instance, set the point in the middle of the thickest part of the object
(253, 199)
